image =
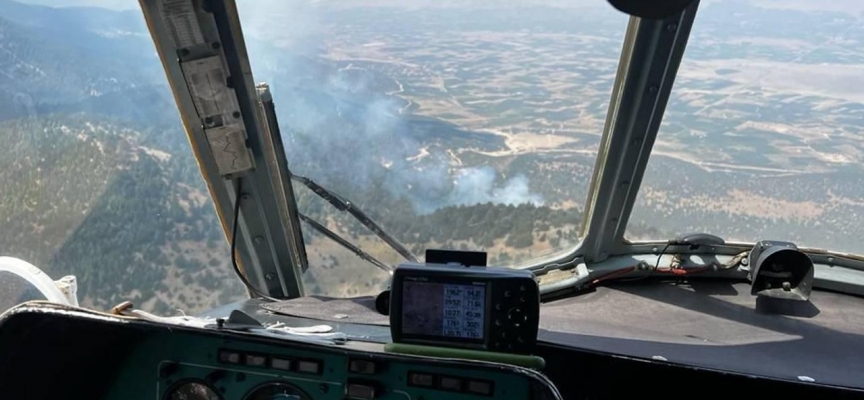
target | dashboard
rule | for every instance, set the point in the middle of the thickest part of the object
(97, 356)
(188, 366)
(49, 351)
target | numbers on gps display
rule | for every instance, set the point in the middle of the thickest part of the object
(463, 312)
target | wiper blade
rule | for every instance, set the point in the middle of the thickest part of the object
(344, 243)
(345, 205)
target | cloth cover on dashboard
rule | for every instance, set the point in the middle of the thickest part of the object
(356, 310)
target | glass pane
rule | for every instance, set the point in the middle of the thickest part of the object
(762, 138)
(97, 176)
(466, 126)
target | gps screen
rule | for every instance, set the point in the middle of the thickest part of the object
(440, 309)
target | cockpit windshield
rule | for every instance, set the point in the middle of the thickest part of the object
(470, 125)
(762, 136)
(453, 125)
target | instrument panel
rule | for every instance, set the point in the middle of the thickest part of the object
(183, 366)
(52, 351)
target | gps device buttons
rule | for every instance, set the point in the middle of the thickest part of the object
(516, 315)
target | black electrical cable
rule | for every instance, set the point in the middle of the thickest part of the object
(656, 264)
(243, 278)
(659, 257)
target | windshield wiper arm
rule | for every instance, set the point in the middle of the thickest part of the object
(345, 205)
(344, 243)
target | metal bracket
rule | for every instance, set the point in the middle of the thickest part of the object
(649, 62)
(269, 243)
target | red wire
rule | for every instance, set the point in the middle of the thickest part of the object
(613, 274)
(684, 272)
(672, 271)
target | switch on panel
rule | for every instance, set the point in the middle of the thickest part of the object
(280, 364)
(360, 391)
(365, 367)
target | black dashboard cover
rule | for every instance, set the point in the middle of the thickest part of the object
(717, 325)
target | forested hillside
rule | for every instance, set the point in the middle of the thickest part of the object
(39, 72)
(98, 177)
(84, 197)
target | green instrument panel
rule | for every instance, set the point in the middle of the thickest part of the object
(186, 366)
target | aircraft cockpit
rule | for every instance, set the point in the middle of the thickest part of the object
(375, 199)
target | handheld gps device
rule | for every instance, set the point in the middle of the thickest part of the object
(496, 309)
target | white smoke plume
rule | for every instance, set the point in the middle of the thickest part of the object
(339, 121)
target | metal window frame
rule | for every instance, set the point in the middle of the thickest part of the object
(270, 248)
(651, 54)
(271, 251)
(650, 63)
